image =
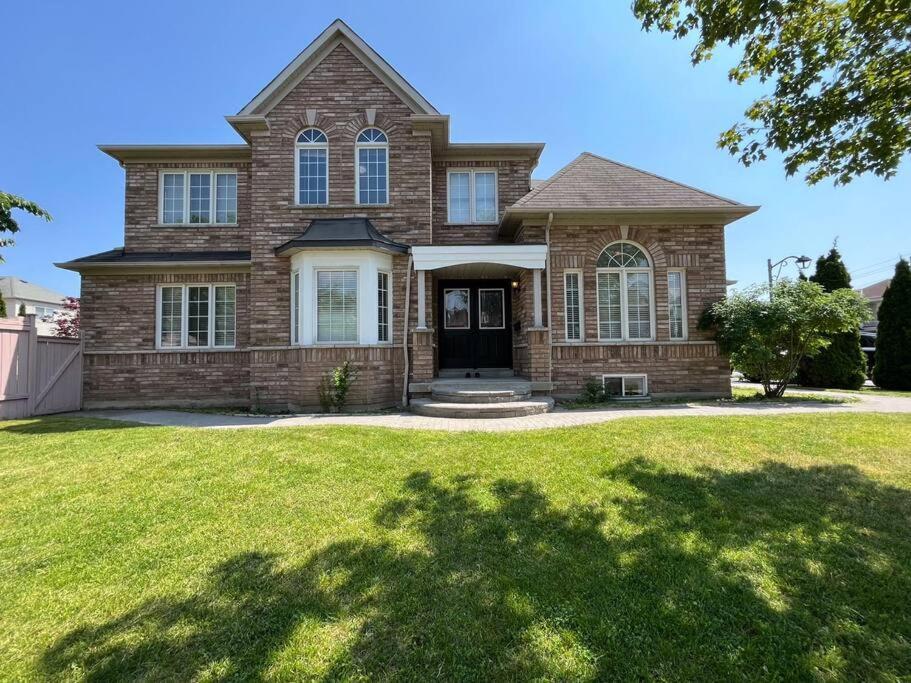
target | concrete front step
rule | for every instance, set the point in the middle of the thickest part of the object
(480, 391)
(536, 405)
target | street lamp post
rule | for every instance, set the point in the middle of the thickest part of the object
(801, 261)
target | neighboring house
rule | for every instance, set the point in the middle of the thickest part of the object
(38, 300)
(874, 294)
(349, 227)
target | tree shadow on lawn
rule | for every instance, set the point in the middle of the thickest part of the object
(51, 424)
(775, 572)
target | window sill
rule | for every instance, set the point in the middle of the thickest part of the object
(191, 349)
(631, 342)
(330, 207)
(196, 225)
(449, 224)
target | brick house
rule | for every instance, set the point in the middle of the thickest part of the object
(348, 226)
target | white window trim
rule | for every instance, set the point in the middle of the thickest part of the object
(683, 308)
(581, 277)
(443, 313)
(360, 302)
(358, 146)
(624, 313)
(472, 220)
(184, 316)
(389, 306)
(186, 172)
(297, 174)
(623, 377)
(502, 305)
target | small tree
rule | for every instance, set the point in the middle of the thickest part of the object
(21, 312)
(892, 369)
(8, 202)
(335, 385)
(66, 322)
(2, 307)
(767, 337)
(842, 364)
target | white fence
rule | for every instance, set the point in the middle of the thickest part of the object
(38, 375)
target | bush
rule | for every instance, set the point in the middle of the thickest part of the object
(893, 335)
(593, 391)
(334, 387)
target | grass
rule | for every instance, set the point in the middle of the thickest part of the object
(702, 548)
(738, 395)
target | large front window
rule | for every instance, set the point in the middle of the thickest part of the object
(312, 167)
(372, 150)
(472, 196)
(196, 316)
(625, 306)
(336, 306)
(198, 197)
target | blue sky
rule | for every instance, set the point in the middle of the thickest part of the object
(576, 75)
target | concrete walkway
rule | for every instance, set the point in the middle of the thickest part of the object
(559, 418)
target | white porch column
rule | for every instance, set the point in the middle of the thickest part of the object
(537, 295)
(422, 304)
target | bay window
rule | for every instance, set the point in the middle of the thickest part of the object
(336, 306)
(624, 289)
(196, 316)
(382, 306)
(198, 197)
(472, 196)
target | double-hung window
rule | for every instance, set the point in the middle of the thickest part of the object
(676, 304)
(572, 303)
(382, 306)
(312, 161)
(198, 197)
(625, 305)
(472, 196)
(372, 156)
(196, 316)
(336, 306)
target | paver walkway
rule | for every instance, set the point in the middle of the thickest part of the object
(558, 418)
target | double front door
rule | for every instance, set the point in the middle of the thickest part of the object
(475, 324)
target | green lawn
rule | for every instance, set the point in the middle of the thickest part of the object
(701, 548)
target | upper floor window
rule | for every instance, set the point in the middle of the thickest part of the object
(312, 164)
(372, 153)
(198, 197)
(472, 196)
(625, 302)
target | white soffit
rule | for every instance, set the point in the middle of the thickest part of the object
(530, 256)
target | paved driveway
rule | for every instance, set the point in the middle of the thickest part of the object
(559, 418)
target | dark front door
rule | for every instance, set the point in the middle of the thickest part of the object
(475, 324)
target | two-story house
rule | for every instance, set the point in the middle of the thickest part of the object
(348, 226)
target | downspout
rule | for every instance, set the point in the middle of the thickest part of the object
(550, 322)
(405, 331)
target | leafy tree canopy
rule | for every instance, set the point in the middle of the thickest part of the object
(831, 272)
(767, 338)
(840, 104)
(8, 202)
(893, 334)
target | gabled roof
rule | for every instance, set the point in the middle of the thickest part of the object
(875, 291)
(338, 32)
(591, 182)
(12, 287)
(334, 233)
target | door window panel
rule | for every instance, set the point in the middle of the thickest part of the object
(491, 309)
(457, 309)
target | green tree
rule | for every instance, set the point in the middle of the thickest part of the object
(840, 101)
(2, 307)
(8, 202)
(892, 369)
(767, 337)
(842, 365)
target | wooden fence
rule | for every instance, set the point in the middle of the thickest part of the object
(38, 375)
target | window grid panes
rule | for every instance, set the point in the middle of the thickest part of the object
(226, 198)
(382, 300)
(622, 255)
(171, 317)
(200, 197)
(485, 197)
(225, 315)
(296, 304)
(312, 167)
(573, 308)
(198, 316)
(372, 176)
(172, 198)
(336, 306)
(675, 304)
(609, 308)
(459, 198)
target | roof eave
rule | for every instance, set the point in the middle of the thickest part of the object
(294, 246)
(149, 153)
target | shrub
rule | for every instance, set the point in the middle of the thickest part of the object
(593, 391)
(892, 369)
(767, 334)
(335, 385)
(21, 313)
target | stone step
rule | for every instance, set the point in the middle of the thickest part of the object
(536, 405)
(480, 391)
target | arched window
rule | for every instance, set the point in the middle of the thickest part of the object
(625, 303)
(312, 167)
(372, 154)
